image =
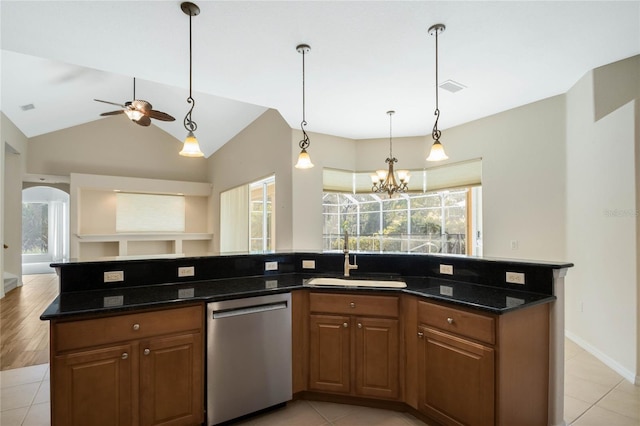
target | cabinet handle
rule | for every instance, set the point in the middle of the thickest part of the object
(359, 325)
(420, 334)
(450, 320)
(125, 355)
(136, 327)
(345, 325)
(352, 305)
(147, 351)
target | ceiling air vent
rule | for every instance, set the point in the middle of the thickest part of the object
(27, 107)
(452, 86)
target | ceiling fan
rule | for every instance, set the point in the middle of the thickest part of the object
(139, 111)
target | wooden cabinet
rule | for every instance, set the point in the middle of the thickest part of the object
(354, 344)
(480, 369)
(135, 369)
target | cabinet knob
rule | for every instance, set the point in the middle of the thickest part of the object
(353, 305)
(125, 355)
(345, 325)
(450, 320)
(359, 325)
(147, 351)
(420, 334)
(136, 327)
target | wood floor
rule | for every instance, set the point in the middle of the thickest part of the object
(24, 338)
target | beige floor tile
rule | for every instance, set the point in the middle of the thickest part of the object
(38, 415)
(13, 417)
(584, 390)
(43, 394)
(331, 411)
(597, 416)
(628, 387)
(372, 417)
(621, 402)
(588, 367)
(413, 420)
(571, 349)
(18, 396)
(574, 408)
(20, 376)
(297, 413)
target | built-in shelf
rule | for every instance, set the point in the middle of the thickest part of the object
(131, 245)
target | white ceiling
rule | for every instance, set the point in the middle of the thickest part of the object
(366, 58)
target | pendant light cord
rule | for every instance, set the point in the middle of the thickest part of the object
(435, 134)
(304, 143)
(390, 139)
(189, 124)
(134, 88)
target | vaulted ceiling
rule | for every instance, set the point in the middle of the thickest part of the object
(366, 58)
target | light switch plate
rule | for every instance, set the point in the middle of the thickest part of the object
(113, 276)
(186, 271)
(515, 278)
(446, 269)
(270, 266)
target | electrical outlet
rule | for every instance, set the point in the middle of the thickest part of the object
(270, 284)
(186, 293)
(186, 271)
(270, 266)
(111, 301)
(514, 244)
(446, 269)
(308, 264)
(515, 277)
(113, 276)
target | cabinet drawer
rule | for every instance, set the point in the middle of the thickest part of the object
(100, 331)
(354, 304)
(474, 326)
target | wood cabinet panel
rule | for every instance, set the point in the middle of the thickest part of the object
(329, 353)
(457, 379)
(171, 382)
(376, 360)
(458, 321)
(354, 304)
(100, 331)
(93, 387)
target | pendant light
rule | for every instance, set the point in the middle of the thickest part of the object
(385, 181)
(437, 150)
(190, 148)
(304, 161)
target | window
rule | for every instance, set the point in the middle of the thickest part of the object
(441, 213)
(247, 218)
(35, 228)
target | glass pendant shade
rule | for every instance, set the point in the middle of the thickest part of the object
(437, 152)
(191, 147)
(304, 161)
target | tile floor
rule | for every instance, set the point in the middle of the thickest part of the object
(594, 396)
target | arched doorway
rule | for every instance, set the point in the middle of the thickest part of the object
(45, 228)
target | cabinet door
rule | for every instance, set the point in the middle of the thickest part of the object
(377, 357)
(93, 387)
(456, 379)
(171, 380)
(329, 353)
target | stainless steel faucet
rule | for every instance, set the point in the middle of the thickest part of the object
(347, 265)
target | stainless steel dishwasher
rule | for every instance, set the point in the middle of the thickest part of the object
(248, 355)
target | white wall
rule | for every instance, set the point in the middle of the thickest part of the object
(603, 146)
(14, 153)
(259, 151)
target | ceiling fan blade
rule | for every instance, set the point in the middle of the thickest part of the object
(144, 121)
(104, 114)
(110, 103)
(159, 115)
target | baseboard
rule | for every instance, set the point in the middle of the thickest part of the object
(10, 281)
(604, 358)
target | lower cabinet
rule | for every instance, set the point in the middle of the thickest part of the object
(134, 369)
(354, 354)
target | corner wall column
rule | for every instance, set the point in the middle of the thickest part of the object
(556, 351)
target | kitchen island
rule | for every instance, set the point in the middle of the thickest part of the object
(518, 338)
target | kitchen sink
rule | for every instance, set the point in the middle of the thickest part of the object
(351, 282)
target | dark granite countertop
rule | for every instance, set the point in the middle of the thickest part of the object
(92, 302)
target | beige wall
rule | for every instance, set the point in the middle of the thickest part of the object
(260, 150)
(113, 146)
(13, 160)
(603, 232)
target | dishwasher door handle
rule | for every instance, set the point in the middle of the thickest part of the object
(249, 310)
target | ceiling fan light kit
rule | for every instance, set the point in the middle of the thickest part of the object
(437, 150)
(190, 148)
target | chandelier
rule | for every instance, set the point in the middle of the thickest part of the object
(385, 180)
